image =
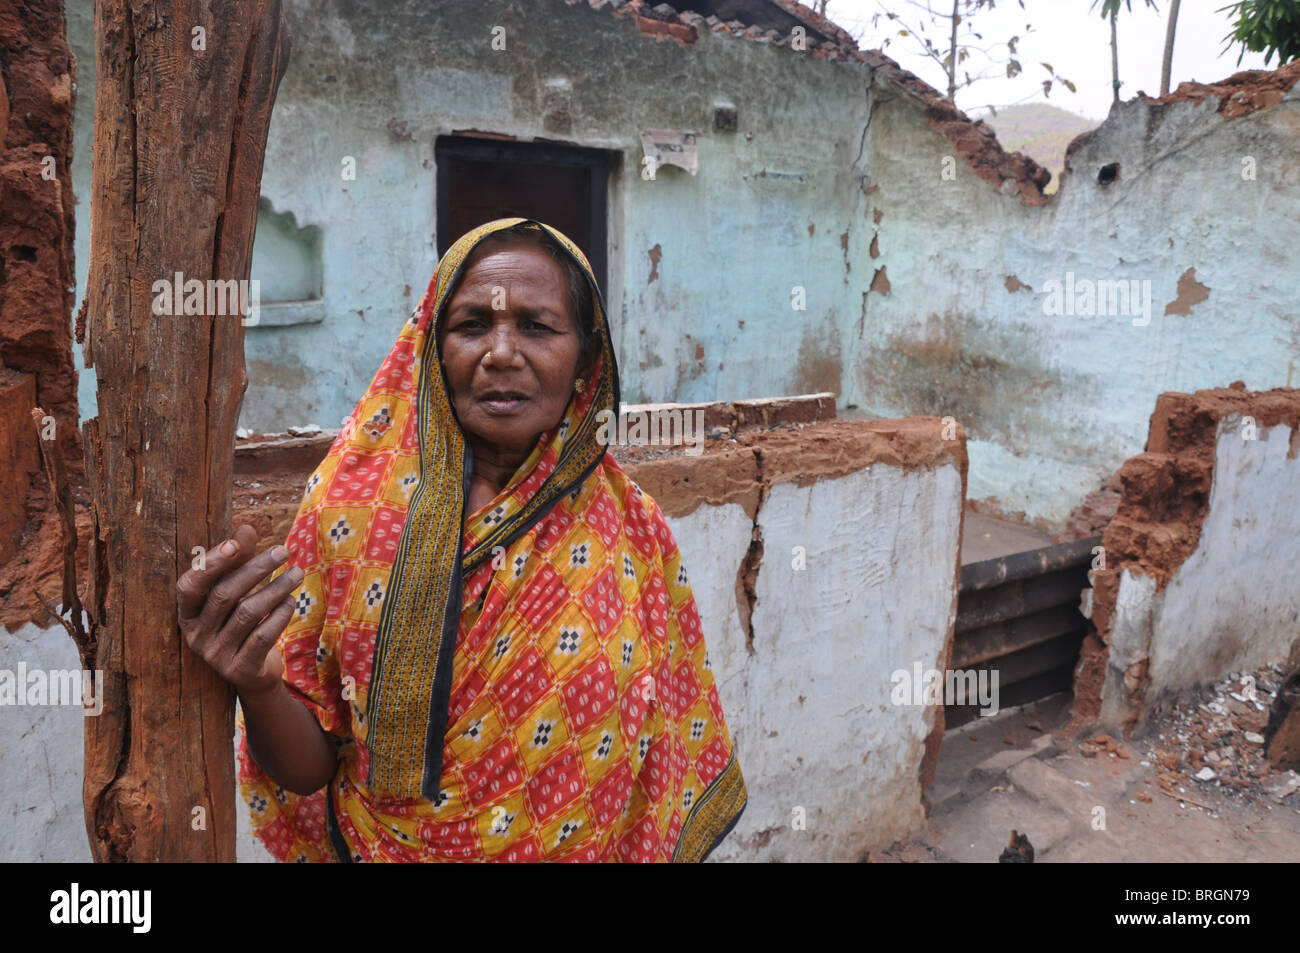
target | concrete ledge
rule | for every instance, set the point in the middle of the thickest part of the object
(265, 455)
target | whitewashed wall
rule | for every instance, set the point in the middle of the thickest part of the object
(817, 738)
(1235, 602)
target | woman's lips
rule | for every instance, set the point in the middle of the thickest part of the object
(499, 407)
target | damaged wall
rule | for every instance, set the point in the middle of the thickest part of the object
(1196, 197)
(765, 213)
(833, 767)
(922, 251)
(1202, 573)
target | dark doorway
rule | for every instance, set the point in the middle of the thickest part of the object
(484, 179)
(1018, 615)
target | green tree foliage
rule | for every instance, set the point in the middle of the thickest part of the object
(1265, 26)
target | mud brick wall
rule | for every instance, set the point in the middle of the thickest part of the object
(1202, 570)
(37, 82)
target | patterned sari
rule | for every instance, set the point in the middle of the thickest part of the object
(528, 684)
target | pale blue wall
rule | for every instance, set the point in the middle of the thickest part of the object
(733, 241)
(1051, 405)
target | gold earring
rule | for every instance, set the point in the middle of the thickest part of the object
(579, 385)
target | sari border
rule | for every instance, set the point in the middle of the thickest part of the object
(337, 842)
(440, 704)
(713, 816)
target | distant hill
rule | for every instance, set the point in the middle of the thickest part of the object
(1041, 132)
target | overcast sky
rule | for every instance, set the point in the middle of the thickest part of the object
(1070, 36)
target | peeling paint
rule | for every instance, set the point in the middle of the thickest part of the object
(880, 281)
(1190, 292)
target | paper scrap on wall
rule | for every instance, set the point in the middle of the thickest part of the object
(670, 147)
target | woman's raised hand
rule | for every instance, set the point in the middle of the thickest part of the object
(229, 625)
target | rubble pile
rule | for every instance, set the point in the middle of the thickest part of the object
(1215, 741)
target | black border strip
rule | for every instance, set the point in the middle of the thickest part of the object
(341, 850)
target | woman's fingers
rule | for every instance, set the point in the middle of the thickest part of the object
(251, 610)
(225, 596)
(231, 623)
(193, 586)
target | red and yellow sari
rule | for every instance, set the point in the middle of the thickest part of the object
(528, 684)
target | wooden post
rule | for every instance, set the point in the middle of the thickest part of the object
(184, 99)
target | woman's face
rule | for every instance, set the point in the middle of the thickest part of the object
(512, 301)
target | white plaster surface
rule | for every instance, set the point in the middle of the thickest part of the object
(41, 817)
(1235, 602)
(809, 709)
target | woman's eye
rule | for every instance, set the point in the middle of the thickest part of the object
(474, 325)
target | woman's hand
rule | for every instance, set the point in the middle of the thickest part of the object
(229, 625)
(234, 629)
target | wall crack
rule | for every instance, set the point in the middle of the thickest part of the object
(747, 576)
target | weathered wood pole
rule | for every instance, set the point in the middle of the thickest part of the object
(185, 90)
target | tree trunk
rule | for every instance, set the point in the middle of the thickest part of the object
(1167, 66)
(1114, 58)
(952, 56)
(184, 100)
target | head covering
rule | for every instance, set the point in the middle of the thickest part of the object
(411, 681)
(548, 648)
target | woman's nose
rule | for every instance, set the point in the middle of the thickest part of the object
(502, 344)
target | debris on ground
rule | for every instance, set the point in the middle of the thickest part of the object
(1019, 851)
(1102, 744)
(1214, 740)
(910, 853)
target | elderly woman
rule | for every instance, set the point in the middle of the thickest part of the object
(493, 652)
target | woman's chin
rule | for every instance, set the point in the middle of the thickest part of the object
(506, 435)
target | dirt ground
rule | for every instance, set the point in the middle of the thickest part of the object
(1098, 799)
